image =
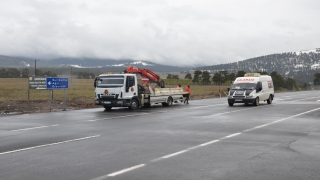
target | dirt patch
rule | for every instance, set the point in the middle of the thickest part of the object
(40, 106)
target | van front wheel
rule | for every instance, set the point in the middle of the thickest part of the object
(269, 101)
(256, 101)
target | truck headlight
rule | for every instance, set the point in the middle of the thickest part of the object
(250, 96)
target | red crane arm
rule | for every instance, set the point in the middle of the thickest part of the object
(144, 73)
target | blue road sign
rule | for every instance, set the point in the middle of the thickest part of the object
(57, 83)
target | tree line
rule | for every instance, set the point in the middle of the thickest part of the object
(223, 77)
(24, 73)
(300, 66)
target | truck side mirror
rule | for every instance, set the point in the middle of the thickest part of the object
(95, 82)
(228, 89)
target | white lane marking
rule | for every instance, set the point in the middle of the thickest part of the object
(132, 115)
(210, 142)
(119, 172)
(174, 154)
(203, 106)
(117, 117)
(261, 126)
(255, 107)
(230, 111)
(39, 127)
(194, 147)
(45, 145)
(201, 145)
(301, 99)
(232, 135)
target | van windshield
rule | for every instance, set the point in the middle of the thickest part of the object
(244, 86)
(111, 81)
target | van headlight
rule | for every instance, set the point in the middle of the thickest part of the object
(250, 96)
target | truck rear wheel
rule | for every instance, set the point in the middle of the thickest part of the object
(134, 104)
(170, 101)
(256, 101)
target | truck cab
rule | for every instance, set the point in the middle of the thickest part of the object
(116, 90)
(252, 88)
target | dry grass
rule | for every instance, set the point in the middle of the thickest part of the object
(80, 95)
(17, 89)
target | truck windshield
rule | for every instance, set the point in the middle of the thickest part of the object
(244, 86)
(111, 81)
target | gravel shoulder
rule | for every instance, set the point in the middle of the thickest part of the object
(40, 106)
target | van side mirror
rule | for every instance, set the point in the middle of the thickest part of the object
(228, 89)
(259, 86)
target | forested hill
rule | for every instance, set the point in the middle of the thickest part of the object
(300, 66)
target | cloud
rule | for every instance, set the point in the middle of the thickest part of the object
(167, 32)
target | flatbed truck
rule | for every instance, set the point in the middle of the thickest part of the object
(123, 90)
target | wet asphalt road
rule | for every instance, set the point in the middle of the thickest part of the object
(206, 139)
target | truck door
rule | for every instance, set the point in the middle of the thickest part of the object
(130, 87)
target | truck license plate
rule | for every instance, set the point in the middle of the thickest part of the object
(106, 102)
(238, 100)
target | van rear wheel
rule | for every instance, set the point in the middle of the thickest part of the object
(256, 102)
(269, 101)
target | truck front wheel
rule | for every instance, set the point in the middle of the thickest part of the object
(256, 101)
(107, 108)
(134, 104)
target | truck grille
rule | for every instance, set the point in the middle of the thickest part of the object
(108, 97)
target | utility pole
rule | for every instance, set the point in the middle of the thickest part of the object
(35, 67)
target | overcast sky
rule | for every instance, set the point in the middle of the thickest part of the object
(182, 32)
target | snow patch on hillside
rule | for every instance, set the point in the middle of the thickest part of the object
(118, 65)
(299, 66)
(317, 50)
(315, 66)
(143, 63)
(26, 64)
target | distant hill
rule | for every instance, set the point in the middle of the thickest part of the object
(301, 65)
(87, 63)
(114, 65)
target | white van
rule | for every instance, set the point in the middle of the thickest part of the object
(252, 88)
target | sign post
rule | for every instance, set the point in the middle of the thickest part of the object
(36, 82)
(58, 83)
